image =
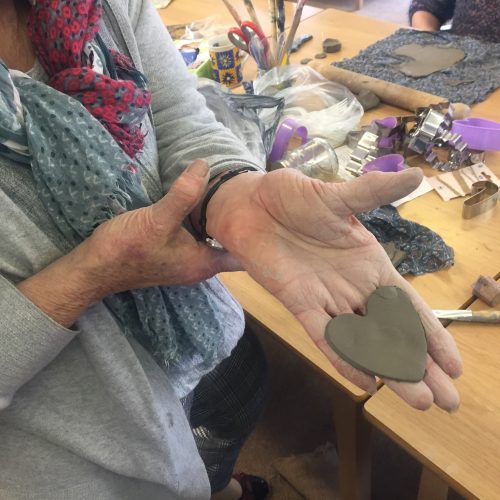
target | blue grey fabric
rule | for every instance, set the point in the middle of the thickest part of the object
(13, 143)
(84, 178)
(425, 250)
(469, 81)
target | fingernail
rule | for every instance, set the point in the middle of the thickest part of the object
(198, 168)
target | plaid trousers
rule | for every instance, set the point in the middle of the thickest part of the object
(225, 406)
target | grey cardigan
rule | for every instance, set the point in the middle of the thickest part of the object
(84, 412)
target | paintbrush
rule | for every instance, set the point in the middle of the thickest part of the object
(274, 34)
(258, 52)
(252, 13)
(283, 57)
(233, 12)
(280, 21)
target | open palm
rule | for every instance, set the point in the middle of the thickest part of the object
(298, 238)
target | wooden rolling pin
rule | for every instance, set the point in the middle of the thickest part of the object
(390, 93)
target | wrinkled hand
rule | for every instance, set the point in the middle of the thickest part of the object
(137, 249)
(150, 247)
(298, 238)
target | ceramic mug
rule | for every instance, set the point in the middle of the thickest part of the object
(226, 62)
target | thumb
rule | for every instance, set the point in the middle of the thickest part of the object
(375, 189)
(185, 193)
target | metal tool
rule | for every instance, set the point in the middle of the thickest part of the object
(430, 123)
(240, 37)
(468, 315)
(379, 138)
(431, 136)
(484, 197)
(365, 151)
(427, 133)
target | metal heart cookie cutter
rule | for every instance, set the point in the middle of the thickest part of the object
(484, 197)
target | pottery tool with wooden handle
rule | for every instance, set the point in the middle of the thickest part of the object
(468, 315)
(390, 93)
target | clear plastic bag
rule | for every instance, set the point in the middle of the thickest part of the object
(241, 114)
(326, 108)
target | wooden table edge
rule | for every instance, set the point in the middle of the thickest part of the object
(421, 458)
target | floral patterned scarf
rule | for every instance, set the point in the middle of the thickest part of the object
(61, 31)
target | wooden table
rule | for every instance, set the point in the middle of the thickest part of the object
(463, 449)
(475, 245)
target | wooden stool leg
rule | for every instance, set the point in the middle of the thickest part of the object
(431, 486)
(358, 4)
(353, 446)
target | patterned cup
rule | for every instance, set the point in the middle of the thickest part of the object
(226, 62)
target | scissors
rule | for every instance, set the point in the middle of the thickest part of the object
(240, 37)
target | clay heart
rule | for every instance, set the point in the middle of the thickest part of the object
(389, 341)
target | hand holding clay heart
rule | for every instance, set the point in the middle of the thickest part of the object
(299, 239)
(388, 341)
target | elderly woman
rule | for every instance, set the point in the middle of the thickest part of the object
(476, 18)
(124, 371)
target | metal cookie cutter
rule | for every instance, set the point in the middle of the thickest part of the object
(431, 122)
(432, 137)
(364, 152)
(380, 138)
(484, 197)
(449, 152)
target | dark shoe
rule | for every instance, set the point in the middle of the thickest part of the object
(254, 487)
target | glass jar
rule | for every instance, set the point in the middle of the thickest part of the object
(316, 159)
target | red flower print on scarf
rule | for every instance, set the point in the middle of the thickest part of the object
(120, 105)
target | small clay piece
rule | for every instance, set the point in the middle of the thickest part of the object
(423, 60)
(368, 99)
(389, 341)
(320, 55)
(306, 60)
(488, 290)
(331, 45)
